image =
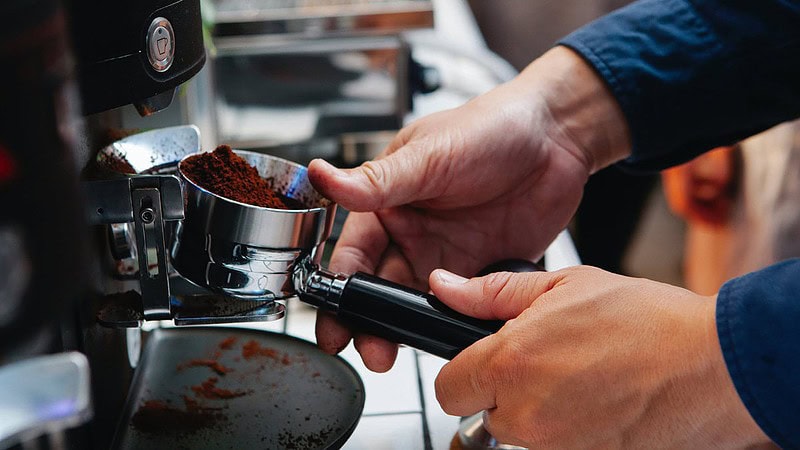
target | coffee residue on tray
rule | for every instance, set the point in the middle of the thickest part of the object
(227, 174)
(228, 343)
(208, 389)
(252, 349)
(212, 364)
(296, 441)
(159, 417)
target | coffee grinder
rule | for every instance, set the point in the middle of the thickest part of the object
(65, 377)
(135, 52)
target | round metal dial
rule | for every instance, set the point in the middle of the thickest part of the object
(160, 44)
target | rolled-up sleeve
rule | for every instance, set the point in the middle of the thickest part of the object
(693, 75)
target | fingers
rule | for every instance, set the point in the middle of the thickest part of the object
(361, 244)
(374, 185)
(469, 383)
(378, 354)
(502, 295)
(332, 336)
(360, 248)
(466, 384)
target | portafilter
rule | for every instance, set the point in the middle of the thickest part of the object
(258, 253)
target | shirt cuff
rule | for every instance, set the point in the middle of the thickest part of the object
(758, 323)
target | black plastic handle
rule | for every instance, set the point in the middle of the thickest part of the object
(408, 316)
(414, 318)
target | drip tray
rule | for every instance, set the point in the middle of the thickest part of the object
(220, 388)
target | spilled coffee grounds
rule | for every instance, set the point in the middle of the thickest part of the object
(228, 175)
(159, 417)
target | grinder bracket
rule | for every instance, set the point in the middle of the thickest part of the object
(147, 201)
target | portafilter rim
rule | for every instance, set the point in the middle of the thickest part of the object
(325, 201)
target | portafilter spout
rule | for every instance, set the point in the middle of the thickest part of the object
(256, 253)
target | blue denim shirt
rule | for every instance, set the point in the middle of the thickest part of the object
(691, 75)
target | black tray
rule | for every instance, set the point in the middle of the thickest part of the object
(272, 391)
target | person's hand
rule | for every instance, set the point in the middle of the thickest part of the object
(589, 359)
(494, 179)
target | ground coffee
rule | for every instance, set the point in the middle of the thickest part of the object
(228, 175)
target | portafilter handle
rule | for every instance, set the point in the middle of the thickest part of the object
(395, 312)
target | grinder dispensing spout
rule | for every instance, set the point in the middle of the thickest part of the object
(258, 254)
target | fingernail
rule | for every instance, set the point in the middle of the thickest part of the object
(449, 277)
(328, 166)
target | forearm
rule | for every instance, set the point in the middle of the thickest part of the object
(583, 113)
(691, 75)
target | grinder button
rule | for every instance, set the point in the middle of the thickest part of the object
(160, 44)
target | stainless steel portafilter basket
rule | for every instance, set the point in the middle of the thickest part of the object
(250, 252)
(256, 253)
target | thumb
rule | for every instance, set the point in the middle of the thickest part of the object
(501, 295)
(374, 185)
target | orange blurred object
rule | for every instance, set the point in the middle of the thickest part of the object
(703, 190)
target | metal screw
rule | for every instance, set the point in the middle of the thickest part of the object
(148, 215)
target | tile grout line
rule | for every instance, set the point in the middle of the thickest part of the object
(384, 414)
(426, 432)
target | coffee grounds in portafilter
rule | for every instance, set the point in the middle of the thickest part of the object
(228, 175)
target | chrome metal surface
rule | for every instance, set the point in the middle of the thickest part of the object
(320, 18)
(472, 435)
(322, 288)
(43, 395)
(246, 251)
(155, 151)
(270, 94)
(109, 201)
(198, 311)
(160, 44)
(235, 269)
(121, 242)
(254, 226)
(133, 342)
(189, 305)
(151, 152)
(151, 247)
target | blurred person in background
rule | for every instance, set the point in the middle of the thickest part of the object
(741, 205)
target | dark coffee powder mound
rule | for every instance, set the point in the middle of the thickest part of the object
(228, 175)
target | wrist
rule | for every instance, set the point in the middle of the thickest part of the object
(583, 110)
